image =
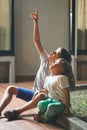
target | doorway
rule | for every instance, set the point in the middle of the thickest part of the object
(78, 31)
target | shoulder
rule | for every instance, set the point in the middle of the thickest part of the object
(63, 81)
(43, 54)
(61, 77)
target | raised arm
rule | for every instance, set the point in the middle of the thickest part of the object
(36, 35)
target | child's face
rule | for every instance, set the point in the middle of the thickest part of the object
(56, 67)
(54, 55)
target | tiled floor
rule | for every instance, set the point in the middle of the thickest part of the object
(27, 122)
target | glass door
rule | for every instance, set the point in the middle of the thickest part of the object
(7, 58)
(78, 46)
(6, 27)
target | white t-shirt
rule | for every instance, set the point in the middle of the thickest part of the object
(55, 84)
(42, 72)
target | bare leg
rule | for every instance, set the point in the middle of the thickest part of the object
(31, 104)
(13, 114)
(9, 92)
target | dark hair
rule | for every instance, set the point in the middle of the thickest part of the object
(67, 67)
(68, 72)
(65, 55)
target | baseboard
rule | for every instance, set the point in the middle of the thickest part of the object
(24, 78)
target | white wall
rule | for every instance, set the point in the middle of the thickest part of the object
(54, 31)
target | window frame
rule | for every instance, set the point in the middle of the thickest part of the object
(11, 51)
(72, 49)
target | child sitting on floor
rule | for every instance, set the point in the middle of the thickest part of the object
(56, 88)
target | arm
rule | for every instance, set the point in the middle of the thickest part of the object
(36, 35)
(45, 91)
(67, 99)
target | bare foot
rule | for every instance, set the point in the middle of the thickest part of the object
(11, 115)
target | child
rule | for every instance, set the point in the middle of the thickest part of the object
(43, 71)
(57, 85)
(47, 59)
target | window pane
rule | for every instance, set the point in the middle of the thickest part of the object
(5, 24)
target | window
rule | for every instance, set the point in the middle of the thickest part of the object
(6, 27)
(78, 11)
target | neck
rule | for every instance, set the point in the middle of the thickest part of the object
(53, 74)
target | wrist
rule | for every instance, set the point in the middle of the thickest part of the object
(35, 21)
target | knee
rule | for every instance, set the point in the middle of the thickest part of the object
(56, 107)
(12, 89)
(51, 107)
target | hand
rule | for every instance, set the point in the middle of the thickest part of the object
(34, 16)
(35, 94)
(45, 91)
(67, 112)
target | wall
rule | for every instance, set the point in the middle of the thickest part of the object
(54, 31)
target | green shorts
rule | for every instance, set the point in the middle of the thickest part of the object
(51, 108)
